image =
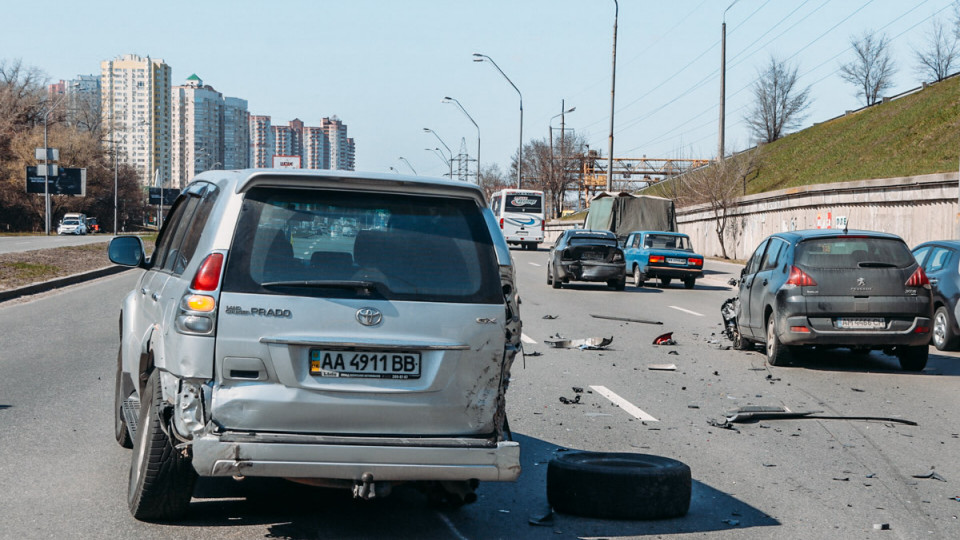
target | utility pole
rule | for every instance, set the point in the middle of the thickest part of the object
(613, 89)
(563, 162)
(723, 73)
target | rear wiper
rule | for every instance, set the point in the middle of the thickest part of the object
(324, 284)
(875, 264)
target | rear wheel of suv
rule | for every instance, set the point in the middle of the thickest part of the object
(161, 478)
(913, 358)
(777, 353)
(943, 337)
(120, 431)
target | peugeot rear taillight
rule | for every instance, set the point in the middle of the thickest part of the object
(918, 279)
(800, 278)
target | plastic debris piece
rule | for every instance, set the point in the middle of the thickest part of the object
(664, 339)
(625, 319)
(732, 522)
(577, 390)
(568, 401)
(551, 317)
(533, 353)
(722, 425)
(662, 367)
(933, 475)
(542, 519)
(673, 352)
(594, 343)
(842, 479)
(881, 526)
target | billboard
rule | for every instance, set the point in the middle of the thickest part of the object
(68, 181)
(286, 162)
(169, 195)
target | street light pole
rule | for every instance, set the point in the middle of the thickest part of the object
(449, 99)
(613, 89)
(723, 87)
(439, 153)
(477, 57)
(563, 111)
(448, 150)
(403, 159)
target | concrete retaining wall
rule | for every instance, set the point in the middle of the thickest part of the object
(917, 208)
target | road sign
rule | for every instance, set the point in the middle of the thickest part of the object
(68, 181)
(53, 154)
(169, 196)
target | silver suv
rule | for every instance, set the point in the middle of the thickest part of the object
(260, 341)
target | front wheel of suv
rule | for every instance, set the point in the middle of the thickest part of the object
(777, 353)
(913, 358)
(161, 477)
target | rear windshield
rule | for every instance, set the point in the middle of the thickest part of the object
(525, 203)
(588, 241)
(852, 252)
(667, 241)
(343, 244)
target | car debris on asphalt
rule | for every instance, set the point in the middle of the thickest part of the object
(551, 317)
(662, 367)
(933, 475)
(753, 413)
(665, 339)
(593, 343)
(625, 319)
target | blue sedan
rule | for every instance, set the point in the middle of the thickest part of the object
(663, 255)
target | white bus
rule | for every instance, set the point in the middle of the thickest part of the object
(520, 212)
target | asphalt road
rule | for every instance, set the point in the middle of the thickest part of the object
(63, 476)
(13, 244)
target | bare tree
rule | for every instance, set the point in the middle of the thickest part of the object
(717, 185)
(872, 67)
(553, 180)
(493, 180)
(938, 53)
(780, 104)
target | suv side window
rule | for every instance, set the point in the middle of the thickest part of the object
(772, 258)
(174, 261)
(753, 265)
(192, 237)
(167, 232)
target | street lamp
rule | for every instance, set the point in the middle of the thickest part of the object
(613, 88)
(448, 150)
(403, 159)
(477, 57)
(439, 153)
(449, 99)
(723, 87)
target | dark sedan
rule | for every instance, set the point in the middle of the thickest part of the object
(941, 262)
(586, 255)
(825, 287)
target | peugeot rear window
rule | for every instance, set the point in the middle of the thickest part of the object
(520, 202)
(345, 244)
(852, 252)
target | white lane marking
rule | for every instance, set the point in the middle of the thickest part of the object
(526, 339)
(628, 407)
(535, 264)
(453, 529)
(687, 311)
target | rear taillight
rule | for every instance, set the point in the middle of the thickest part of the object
(657, 258)
(695, 262)
(208, 276)
(501, 223)
(918, 279)
(800, 278)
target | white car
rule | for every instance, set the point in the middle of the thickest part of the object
(72, 226)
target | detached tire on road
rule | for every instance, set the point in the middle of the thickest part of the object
(161, 478)
(618, 485)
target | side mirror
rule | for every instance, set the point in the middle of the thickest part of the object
(127, 251)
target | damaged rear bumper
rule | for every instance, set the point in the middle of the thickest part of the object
(344, 458)
(591, 271)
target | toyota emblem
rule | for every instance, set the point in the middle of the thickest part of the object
(369, 316)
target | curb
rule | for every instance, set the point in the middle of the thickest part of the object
(57, 283)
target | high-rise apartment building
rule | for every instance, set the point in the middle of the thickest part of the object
(323, 147)
(209, 131)
(261, 142)
(80, 105)
(135, 112)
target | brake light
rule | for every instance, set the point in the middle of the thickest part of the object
(695, 262)
(921, 330)
(657, 258)
(501, 223)
(800, 278)
(542, 227)
(208, 276)
(918, 279)
(801, 329)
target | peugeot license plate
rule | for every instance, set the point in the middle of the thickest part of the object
(365, 364)
(862, 323)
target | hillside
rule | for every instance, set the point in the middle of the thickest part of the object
(915, 134)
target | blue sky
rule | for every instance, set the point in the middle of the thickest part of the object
(383, 67)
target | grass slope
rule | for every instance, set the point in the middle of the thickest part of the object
(916, 134)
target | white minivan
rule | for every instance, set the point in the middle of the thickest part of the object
(520, 213)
